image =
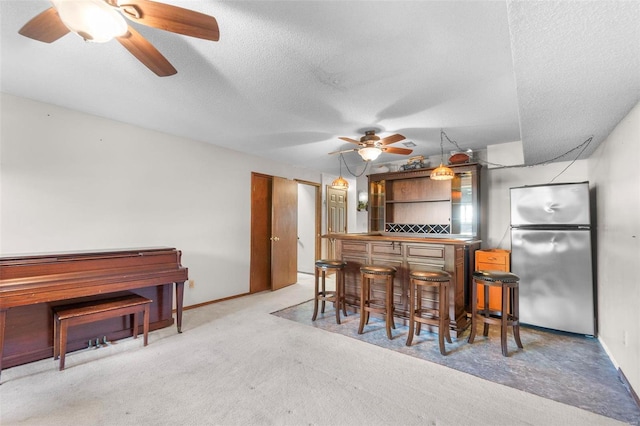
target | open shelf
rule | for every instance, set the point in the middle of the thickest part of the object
(411, 202)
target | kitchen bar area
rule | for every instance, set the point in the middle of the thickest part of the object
(407, 254)
(417, 223)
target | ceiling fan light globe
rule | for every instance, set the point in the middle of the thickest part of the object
(93, 20)
(369, 153)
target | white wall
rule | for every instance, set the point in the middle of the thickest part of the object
(72, 181)
(617, 179)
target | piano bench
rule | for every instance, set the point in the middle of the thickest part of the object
(97, 310)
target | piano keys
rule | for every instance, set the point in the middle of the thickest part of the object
(31, 285)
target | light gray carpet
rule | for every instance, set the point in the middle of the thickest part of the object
(235, 364)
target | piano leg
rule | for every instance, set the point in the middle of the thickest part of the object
(179, 300)
(3, 318)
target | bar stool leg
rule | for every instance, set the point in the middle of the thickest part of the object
(342, 291)
(393, 321)
(445, 313)
(503, 320)
(485, 307)
(364, 297)
(441, 323)
(516, 316)
(474, 310)
(418, 307)
(412, 311)
(338, 297)
(389, 307)
(324, 290)
(315, 296)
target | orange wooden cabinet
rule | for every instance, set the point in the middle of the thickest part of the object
(492, 260)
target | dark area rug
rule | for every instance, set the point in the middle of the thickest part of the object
(567, 368)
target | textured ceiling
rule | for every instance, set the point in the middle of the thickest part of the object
(287, 78)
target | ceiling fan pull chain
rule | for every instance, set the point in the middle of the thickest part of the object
(131, 10)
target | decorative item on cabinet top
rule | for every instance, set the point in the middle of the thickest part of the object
(460, 157)
(415, 162)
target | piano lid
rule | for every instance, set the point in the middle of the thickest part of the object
(81, 253)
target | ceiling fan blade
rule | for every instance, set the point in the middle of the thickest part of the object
(170, 18)
(391, 139)
(343, 151)
(142, 49)
(349, 140)
(393, 150)
(46, 27)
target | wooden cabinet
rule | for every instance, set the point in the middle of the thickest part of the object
(492, 260)
(406, 255)
(409, 202)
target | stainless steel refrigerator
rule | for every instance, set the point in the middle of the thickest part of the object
(551, 253)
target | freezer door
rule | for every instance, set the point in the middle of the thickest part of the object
(556, 286)
(564, 204)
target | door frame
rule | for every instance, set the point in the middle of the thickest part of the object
(318, 214)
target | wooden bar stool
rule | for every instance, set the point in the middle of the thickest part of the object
(322, 295)
(367, 304)
(507, 317)
(439, 315)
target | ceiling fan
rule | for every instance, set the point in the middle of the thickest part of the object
(371, 146)
(102, 20)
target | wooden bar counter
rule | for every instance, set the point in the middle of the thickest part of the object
(409, 253)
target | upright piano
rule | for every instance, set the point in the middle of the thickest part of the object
(31, 285)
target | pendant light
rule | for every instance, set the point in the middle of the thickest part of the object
(340, 183)
(442, 172)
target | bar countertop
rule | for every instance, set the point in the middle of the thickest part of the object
(409, 238)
